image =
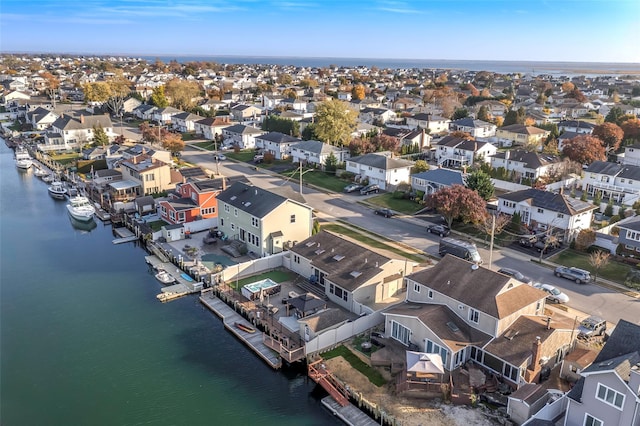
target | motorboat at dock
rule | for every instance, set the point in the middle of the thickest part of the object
(80, 208)
(57, 190)
(23, 159)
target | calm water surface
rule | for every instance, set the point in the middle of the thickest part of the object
(85, 342)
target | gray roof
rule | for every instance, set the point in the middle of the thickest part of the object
(576, 123)
(251, 199)
(630, 172)
(68, 122)
(307, 302)
(548, 200)
(316, 147)
(633, 225)
(278, 137)
(531, 160)
(470, 122)
(327, 318)
(604, 168)
(346, 263)
(381, 161)
(441, 176)
(243, 130)
(451, 141)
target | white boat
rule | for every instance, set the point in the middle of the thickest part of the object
(57, 190)
(41, 172)
(80, 208)
(48, 178)
(164, 277)
(23, 159)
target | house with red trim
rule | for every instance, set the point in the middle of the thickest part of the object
(193, 200)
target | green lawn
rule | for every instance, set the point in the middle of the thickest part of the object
(370, 241)
(371, 373)
(277, 276)
(614, 271)
(400, 205)
(188, 136)
(246, 156)
(320, 179)
(208, 145)
(156, 225)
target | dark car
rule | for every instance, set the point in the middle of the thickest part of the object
(515, 274)
(441, 230)
(370, 189)
(385, 212)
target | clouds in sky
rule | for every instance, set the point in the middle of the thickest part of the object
(558, 30)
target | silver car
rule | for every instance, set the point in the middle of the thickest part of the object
(575, 274)
(553, 294)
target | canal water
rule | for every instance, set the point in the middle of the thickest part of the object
(85, 342)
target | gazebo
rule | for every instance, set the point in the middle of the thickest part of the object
(424, 367)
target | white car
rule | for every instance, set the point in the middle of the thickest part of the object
(553, 294)
(219, 157)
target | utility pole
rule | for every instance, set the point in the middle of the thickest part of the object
(493, 229)
(300, 169)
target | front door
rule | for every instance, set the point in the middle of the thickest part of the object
(459, 358)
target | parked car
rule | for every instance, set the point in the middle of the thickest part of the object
(515, 274)
(528, 241)
(441, 230)
(370, 189)
(385, 212)
(548, 242)
(592, 326)
(219, 157)
(258, 158)
(578, 275)
(353, 187)
(553, 294)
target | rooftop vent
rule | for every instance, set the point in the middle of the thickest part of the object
(510, 334)
(338, 257)
(233, 198)
(310, 244)
(452, 326)
(355, 274)
(605, 364)
(247, 204)
(319, 251)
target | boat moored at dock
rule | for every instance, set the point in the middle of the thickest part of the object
(23, 159)
(164, 277)
(57, 190)
(80, 208)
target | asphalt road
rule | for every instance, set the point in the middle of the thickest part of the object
(589, 299)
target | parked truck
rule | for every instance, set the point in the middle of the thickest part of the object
(461, 249)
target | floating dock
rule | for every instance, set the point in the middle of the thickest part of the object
(350, 414)
(229, 318)
(126, 236)
(182, 287)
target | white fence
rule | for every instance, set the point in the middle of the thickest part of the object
(550, 411)
(504, 185)
(201, 225)
(331, 338)
(566, 183)
(249, 268)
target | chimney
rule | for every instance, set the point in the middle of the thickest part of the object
(507, 154)
(548, 323)
(82, 118)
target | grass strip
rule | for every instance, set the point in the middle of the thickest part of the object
(370, 373)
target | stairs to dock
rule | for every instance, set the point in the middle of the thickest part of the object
(324, 378)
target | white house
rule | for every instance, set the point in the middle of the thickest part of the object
(277, 144)
(241, 135)
(381, 169)
(540, 210)
(433, 123)
(618, 181)
(632, 155)
(184, 121)
(525, 164)
(452, 151)
(576, 126)
(211, 127)
(316, 152)
(476, 128)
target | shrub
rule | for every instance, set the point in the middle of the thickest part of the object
(593, 248)
(398, 194)
(615, 218)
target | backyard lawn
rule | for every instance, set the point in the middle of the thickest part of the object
(208, 145)
(614, 271)
(400, 205)
(371, 373)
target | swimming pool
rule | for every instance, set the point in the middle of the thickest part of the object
(266, 287)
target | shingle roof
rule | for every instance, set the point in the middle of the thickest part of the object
(522, 129)
(604, 168)
(251, 199)
(243, 130)
(548, 200)
(630, 172)
(479, 288)
(326, 318)
(380, 161)
(531, 160)
(442, 176)
(316, 147)
(277, 137)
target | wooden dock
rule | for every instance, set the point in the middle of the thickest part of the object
(182, 287)
(125, 236)
(349, 414)
(229, 318)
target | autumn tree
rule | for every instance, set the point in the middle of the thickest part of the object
(493, 224)
(483, 114)
(173, 143)
(385, 143)
(158, 97)
(584, 149)
(514, 117)
(359, 146)
(96, 92)
(308, 82)
(419, 166)
(457, 202)
(480, 182)
(52, 85)
(335, 122)
(585, 238)
(599, 259)
(631, 129)
(460, 113)
(119, 89)
(568, 86)
(577, 95)
(182, 93)
(358, 92)
(610, 134)
(152, 134)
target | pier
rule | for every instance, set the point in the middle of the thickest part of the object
(230, 317)
(349, 414)
(182, 287)
(125, 236)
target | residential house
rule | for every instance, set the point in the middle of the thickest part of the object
(298, 105)
(433, 180)
(243, 112)
(130, 104)
(376, 115)
(276, 143)
(524, 164)
(618, 181)
(431, 123)
(316, 153)
(566, 136)
(607, 393)
(129, 153)
(265, 221)
(41, 118)
(519, 134)
(184, 122)
(631, 155)
(541, 210)
(629, 237)
(145, 176)
(350, 275)
(465, 312)
(144, 112)
(241, 135)
(163, 115)
(75, 131)
(211, 127)
(576, 126)
(406, 103)
(475, 128)
(453, 151)
(192, 200)
(381, 169)
(494, 108)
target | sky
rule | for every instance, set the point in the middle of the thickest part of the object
(510, 30)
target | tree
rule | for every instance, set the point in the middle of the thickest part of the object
(489, 227)
(119, 89)
(331, 163)
(173, 143)
(585, 238)
(480, 182)
(358, 92)
(631, 129)
(515, 117)
(96, 92)
(584, 149)
(598, 259)
(100, 137)
(568, 86)
(483, 114)
(335, 122)
(577, 95)
(52, 85)
(158, 97)
(458, 202)
(610, 134)
(384, 142)
(419, 167)
(460, 113)
(615, 115)
(152, 134)
(182, 93)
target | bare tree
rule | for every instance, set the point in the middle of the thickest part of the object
(599, 259)
(492, 224)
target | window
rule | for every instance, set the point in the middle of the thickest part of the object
(296, 258)
(560, 216)
(235, 212)
(474, 316)
(589, 420)
(434, 348)
(226, 208)
(233, 226)
(509, 204)
(221, 221)
(416, 287)
(633, 235)
(293, 218)
(400, 332)
(254, 221)
(430, 294)
(610, 396)
(540, 210)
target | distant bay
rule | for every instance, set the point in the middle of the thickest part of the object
(84, 340)
(503, 67)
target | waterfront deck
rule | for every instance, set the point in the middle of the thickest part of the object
(182, 287)
(349, 414)
(229, 318)
(124, 236)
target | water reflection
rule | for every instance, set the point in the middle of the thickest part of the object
(83, 226)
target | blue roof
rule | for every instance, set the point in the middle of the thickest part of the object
(442, 176)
